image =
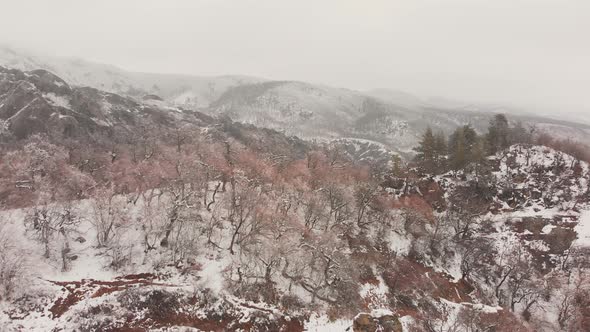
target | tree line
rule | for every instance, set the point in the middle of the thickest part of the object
(437, 153)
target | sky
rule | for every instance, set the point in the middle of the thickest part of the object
(533, 54)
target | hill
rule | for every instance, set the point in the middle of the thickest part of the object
(312, 111)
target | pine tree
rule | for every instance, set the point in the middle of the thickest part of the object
(459, 155)
(498, 134)
(478, 156)
(397, 168)
(440, 149)
(426, 157)
(461, 145)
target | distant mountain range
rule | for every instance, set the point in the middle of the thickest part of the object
(381, 117)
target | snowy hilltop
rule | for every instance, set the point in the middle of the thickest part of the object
(307, 110)
(121, 212)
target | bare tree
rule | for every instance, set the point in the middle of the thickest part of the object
(242, 213)
(49, 222)
(321, 270)
(364, 196)
(108, 216)
(572, 300)
(476, 257)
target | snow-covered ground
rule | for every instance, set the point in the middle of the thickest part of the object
(182, 90)
(321, 323)
(583, 229)
(208, 274)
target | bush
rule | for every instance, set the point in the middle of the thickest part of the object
(290, 302)
(12, 265)
(157, 304)
(257, 292)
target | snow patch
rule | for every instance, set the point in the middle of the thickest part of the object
(321, 323)
(212, 275)
(547, 229)
(57, 101)
(399, 243)
(583, 230)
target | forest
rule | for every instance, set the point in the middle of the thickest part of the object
(302, 228)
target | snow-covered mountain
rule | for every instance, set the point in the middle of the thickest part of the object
(182, 90)
(479, 241)
(40, 102)
(384, 117)
(397, 121)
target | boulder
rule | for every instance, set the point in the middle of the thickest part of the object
(383, 321)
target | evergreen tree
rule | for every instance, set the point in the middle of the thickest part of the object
(397, 168)
(458, 154)
(440, 149)
(426, 157)
(461, 145)
(498, 134)
(478, 156)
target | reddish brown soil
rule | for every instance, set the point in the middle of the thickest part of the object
(76, 291)
(411, 276)
(226, 324)
(90, 288)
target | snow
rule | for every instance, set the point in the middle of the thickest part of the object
(321, 323)
(451, 310)
(162, 104)
(399, 243)
(547, 229)
(92, 263)
(298, 108)
(101, 122)
(88, 264)
(35, 322)
(186, 98)
(106, 106)
(563, 132)
(211, 275)
(377, 313)
(200, 90)
(583, 229)
(452, 268)
(375, 295)
(407, 322)
(484, 308)
(539, 245)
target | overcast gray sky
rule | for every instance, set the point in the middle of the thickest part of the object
(521, 52)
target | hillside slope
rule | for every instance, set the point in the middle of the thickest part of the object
(315, 111)
(180, 90)
(389, 118)
(415, 260)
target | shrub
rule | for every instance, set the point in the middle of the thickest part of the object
(12, 265)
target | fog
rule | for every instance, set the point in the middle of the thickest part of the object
(533, 54)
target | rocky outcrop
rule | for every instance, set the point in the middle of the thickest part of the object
(152, 97)
(376, 321)
(41, 102)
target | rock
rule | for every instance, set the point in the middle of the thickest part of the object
(152, 97)
(374, 322)
(390, 323)
(49, 82)
(364, 323)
